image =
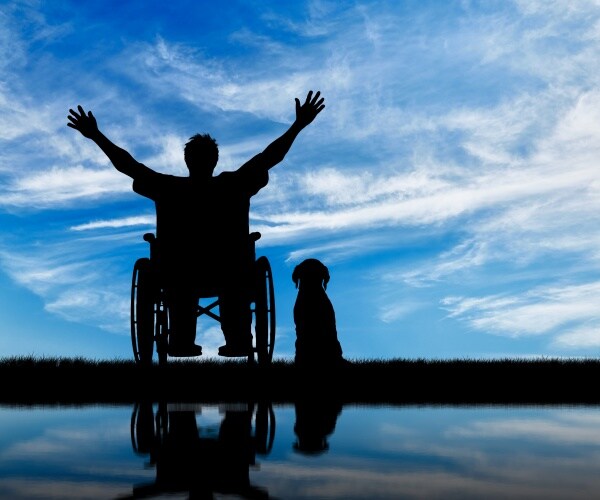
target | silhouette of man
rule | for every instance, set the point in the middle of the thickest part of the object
(202, 226)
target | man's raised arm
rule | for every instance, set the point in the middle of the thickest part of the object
(276, 151)
(88, 127)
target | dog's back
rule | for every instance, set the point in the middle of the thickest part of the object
(314, 316)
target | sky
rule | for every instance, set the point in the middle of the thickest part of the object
(450, 184)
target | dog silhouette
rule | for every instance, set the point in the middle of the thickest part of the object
(316, 333)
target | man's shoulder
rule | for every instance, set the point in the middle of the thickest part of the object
(226, 175)
(154, 176)
(246, 179)
(228, 178)
(146, 172)
(156, 182)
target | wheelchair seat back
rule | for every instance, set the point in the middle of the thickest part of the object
(206, 272)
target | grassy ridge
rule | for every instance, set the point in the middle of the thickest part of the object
(28, 380)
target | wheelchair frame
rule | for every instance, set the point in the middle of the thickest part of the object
(145, 420)
(150, 312)
(149, 430)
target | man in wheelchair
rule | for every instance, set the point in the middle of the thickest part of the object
(202, 226)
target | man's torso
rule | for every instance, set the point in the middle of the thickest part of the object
(207, 219)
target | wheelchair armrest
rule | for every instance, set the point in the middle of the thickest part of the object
(255, 236)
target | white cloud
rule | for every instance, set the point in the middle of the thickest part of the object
(339, 187)
(74, 279)
(138, 220)
(586, 336)
(570, 430)
(403, 207)
(83, 304)
(208, 84)
(210, 337)
(394, 312)
(467, 255)
(169, 158)
(539, 311)
(61, 186)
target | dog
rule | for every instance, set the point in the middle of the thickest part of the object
(316, 332)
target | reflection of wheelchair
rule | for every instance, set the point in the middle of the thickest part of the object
(150, 312)
(206, 459)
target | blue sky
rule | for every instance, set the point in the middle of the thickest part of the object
(451, 184)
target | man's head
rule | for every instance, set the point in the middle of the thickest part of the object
(201, 154)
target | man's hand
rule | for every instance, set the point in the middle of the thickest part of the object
(306, 113)
(276, 151)
(86, 124)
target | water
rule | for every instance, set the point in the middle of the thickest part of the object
(301, 451)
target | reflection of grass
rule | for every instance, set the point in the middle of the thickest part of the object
(28, 380)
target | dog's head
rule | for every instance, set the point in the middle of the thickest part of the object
(311, 271)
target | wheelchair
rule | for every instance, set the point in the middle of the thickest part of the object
(150, 311)
(192, 458)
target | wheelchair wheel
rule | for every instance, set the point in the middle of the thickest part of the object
(264, 433)
(142, 428)
(142, 311)
(162, 332)
(264, 311)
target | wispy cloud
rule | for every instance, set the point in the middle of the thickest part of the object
(393, 312)
(586, 336)
(542, 310)
(576, 429)
(76, 279)
(61, 186)
(482, 124)
(141, 220)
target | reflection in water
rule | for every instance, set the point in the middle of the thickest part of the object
(205, 451)
(187, 462)
(315, 421)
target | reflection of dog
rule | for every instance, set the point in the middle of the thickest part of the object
(315, 421)
(316, 333)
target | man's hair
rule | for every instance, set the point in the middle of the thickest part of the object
(201, 150)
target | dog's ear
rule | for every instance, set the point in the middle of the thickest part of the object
(325, 277)
(296, 275)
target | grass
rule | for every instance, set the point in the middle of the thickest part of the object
(29, 380)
